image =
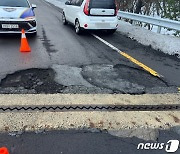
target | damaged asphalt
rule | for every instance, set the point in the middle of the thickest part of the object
(102, 79)
(63, 62)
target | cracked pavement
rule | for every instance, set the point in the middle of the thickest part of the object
(82, 64)
(65, 63)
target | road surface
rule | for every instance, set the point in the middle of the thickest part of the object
(81, 64)
(81, 142)
(63, 62)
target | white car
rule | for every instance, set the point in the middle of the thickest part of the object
(16, 15)
(91, 15)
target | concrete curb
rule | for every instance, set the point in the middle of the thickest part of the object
(88, 99)
(87, 120)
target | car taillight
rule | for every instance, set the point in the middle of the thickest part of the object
(86, 7)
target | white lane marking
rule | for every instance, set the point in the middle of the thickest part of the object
(148, 69)
(108, 44)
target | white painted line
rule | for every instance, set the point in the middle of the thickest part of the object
(108, 44)
(130, 58)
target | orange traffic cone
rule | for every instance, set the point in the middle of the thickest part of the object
(4, 150)
(24, 43)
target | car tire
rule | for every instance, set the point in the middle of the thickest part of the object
(78, 29)
(64, 19)
(111, 31)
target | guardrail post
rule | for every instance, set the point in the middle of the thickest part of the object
(159, 29)
(133, 22)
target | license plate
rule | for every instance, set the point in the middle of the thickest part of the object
(103, 25)
(10, 26)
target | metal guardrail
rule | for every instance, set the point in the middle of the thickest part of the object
(166, 23)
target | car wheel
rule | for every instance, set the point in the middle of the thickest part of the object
(78, 29)
(111, 31)
(64, 19)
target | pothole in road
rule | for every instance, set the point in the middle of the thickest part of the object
(125, 79)
(36, 81)
(31, 81)
(91, 79)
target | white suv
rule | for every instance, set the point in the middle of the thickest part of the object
(91, 15)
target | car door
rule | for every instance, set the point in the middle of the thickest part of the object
(72, 11)
(77, 8)
(67, 9)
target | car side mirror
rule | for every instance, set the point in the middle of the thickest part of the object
(34, 6)
(68, 3)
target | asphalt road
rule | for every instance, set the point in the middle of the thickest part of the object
(79, 142)
(83, 64)
(64, 62)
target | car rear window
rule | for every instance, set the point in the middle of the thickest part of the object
(105, 4)
(14, 3)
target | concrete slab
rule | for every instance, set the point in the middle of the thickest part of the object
(37, 121)
(89, 99)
